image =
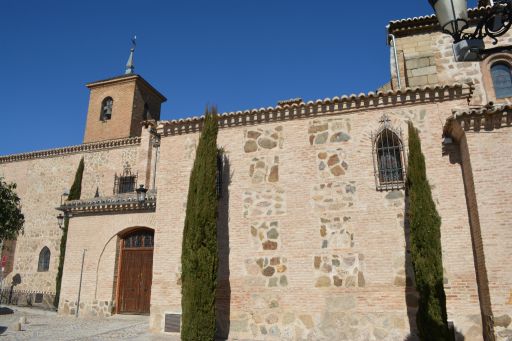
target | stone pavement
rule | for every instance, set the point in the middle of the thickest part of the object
(47, 325)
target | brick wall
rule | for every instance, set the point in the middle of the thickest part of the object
(284, 223)
(41, 182)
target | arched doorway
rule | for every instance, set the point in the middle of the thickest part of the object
(135, 272)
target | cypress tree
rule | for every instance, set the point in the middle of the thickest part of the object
(74, 194)
(199, 257)
(425, 234)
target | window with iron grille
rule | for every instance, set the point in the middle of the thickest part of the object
(44, 260)
(106, 109)
(125, 182)
(388, 157)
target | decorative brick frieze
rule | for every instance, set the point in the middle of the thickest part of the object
(83, 148)
(487, 117)
(118, 203)
(328, 106)
(427, 23)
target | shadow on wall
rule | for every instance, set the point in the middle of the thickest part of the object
(223, 297)
(411, 295)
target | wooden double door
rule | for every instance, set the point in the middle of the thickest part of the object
(134, 293)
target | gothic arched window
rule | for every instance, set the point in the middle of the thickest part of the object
(44, 260)
(106, 108)
(388, 157)
(502, 79)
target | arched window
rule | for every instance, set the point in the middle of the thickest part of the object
(502, 79)
(106, 108)
(139, 239)
(44, 260)
(389, 157)
(146, 115)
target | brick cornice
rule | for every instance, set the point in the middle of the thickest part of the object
(488, 118)
(122, 203)
(328, 106)
(427, 23)
(82, 148)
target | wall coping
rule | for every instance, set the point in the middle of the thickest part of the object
(427, 23)
(327, 106)
(488, 117)
(82, 148)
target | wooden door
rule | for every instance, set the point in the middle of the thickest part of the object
(135, 277)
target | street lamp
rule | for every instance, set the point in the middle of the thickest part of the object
(453, 19)
(452, 16)
(60, 220)
(141, 194)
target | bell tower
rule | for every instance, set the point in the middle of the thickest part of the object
(118, 105)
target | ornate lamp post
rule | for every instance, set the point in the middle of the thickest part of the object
(453, 18)
(141, 194)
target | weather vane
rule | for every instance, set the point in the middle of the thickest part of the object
(129, 65)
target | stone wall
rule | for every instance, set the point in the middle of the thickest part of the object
(41, 182)
(426, 59)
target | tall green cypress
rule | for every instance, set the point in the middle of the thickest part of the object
(199, 257)
(74, 194)
(425, 225)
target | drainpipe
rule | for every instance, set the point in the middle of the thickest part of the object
(392, 36)
(156, 144)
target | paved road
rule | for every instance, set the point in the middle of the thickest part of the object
(46, 325)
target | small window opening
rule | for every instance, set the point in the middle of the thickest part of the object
(125, 182)
(388, 157)
(106, 108)
(502, 80)
(44, 260)
(146, 115)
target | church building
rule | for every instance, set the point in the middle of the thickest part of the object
(312, 230)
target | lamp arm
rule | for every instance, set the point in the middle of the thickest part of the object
(486, 27)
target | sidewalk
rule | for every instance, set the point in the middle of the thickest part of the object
(47, 325)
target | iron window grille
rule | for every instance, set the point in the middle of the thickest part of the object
(106, 108)
(388, 157)
(125, 182)
(44, 260)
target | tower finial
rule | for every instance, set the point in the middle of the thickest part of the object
(129, 65)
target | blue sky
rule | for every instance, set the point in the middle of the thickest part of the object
(235, 54)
